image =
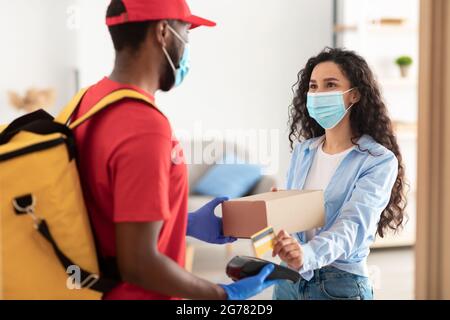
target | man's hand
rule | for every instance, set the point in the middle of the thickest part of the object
(204, 225)
(289, 250)
(248, 287)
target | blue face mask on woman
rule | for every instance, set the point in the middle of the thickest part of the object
(327, 108)
(184, 65)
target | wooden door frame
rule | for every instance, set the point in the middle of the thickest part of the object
(432, 278)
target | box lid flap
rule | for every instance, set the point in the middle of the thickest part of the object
(268, 196)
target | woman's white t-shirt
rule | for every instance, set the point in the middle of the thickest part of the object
(319, 176)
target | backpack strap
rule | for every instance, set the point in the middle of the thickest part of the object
(69, 109)
(101, 283)
(111, 98)
(88, 280)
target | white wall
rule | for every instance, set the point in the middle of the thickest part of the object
(37, 50)
(95, 53)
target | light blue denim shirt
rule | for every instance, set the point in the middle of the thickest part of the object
(356, 196)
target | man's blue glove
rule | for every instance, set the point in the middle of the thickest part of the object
(204, 225)
(248, 287)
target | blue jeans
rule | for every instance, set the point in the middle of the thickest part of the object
(328, 283)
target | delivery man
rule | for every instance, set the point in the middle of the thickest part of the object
(135, 192)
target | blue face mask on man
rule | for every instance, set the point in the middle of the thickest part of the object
(182, 70)
(327, 108)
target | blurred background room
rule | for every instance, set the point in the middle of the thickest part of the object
(235, 101)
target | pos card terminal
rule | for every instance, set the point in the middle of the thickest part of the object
(241, 267)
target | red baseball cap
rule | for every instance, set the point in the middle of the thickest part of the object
(146, 10)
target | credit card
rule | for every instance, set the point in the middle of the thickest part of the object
(262, 241)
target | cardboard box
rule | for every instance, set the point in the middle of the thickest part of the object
(290, 210)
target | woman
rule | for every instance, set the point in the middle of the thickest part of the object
(347, 148)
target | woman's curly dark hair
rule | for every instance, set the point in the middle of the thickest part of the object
(368, 116)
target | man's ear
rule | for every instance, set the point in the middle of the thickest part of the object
(162, 32)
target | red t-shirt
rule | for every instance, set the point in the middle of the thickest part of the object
(131, 171)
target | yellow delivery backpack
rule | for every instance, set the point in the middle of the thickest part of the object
(47, 250)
